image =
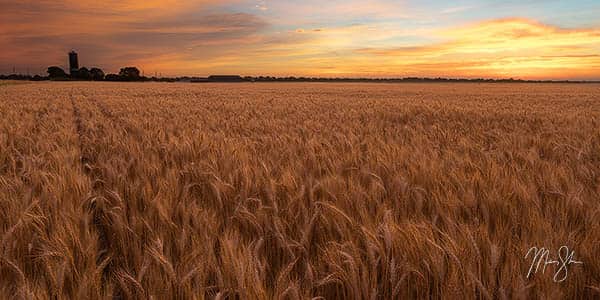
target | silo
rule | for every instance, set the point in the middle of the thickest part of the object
(73, 62)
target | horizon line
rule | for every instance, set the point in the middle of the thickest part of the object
(293, 78)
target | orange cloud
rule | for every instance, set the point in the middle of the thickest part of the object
(509, 47)
(111, 34)
(501, 48)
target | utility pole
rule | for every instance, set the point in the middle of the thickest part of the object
(14, 70)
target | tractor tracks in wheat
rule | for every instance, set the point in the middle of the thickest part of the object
(105, 209)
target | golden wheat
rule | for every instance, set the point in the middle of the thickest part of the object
(259, 191)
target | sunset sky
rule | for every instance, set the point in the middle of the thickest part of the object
(378, 38)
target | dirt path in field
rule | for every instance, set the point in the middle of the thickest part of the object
(78, 128)
(104, 207)
(88, 138)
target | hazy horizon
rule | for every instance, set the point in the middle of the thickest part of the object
(546, 40)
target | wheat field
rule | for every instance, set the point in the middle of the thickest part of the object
(297, 190)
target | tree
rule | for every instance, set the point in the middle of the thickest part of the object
(83, 73)
(55, 72)
(112, 77)
(97, 74)
(130, 74)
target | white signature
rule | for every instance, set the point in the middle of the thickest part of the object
(541, 258)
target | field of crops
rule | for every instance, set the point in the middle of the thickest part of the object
(288, 191)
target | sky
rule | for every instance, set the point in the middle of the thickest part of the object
(370, 38)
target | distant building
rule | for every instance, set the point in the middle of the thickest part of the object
(225, 78)
(73, 62)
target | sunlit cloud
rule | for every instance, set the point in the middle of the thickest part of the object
(261, 5)
(456, 9)
(507, 47)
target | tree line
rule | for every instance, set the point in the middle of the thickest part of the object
(94, 74)
(133, 74)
